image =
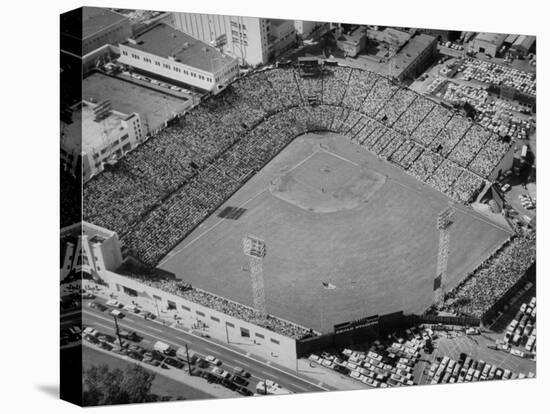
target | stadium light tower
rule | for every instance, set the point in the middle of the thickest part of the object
(255, 249)
(444, 223)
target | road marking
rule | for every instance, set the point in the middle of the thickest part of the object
(244, 364)
(290, 374)
(298, 386)
(153, 328)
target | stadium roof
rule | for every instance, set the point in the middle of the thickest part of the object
(95, 19)
(493, 38)
(166, 41)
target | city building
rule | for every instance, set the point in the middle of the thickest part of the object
(305, 28)
(523, 45)
(252, 40)
(154, 107)
(169, 53)
(489, 43)
(394, 39)
(352, 43)
(414, 57)
(88, 248)
(97, 135)
(89, 28)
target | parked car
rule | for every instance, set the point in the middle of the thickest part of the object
(241, 372)
(213, 360)
(117, 313)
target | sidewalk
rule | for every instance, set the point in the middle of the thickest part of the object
(250, 350)
(328, 376)
(175, 374)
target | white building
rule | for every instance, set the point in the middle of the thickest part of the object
(88, 248)
(252, 40)
(488, 43)
(172, 54)
(97, 135)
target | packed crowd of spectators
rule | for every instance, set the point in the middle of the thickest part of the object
(494, 277)
(185, 290)
(157, 194)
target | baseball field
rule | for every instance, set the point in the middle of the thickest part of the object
(330, 211)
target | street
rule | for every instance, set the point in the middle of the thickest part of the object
(152, 332)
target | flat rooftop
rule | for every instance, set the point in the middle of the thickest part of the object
(411, 50)
(91, 132)
(95, 19)
(128, 97)
(165, 41)
(493, 38)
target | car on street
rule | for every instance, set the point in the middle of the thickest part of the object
(240, 381)
(174, 363)
(213, 360)
(99, 306)
(117, 313)
(130, 335)
(241, 372)
(505, 188)
(220, 372)
(114, 303)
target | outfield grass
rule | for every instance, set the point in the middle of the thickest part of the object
(381, 255)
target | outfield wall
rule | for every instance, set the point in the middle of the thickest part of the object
(224, 328)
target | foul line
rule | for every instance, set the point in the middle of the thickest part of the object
(176, 252)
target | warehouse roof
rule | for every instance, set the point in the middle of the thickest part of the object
(524, 42)
(493, 38)
(165, 41)
(95, 19)
(408, 54)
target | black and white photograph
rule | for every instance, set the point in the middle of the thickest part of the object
(304, 208)
(274, 206)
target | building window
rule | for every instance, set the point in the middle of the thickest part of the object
(259, 336)
(200, 313)
(125, 53)
(171, 305)
(245, 333)
(157, 63)
(124, 137)
(275, 341)
(214, 319)
(186, 308)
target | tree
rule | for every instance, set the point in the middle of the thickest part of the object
(103, 386)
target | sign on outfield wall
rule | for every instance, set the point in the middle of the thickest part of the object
(357, 324)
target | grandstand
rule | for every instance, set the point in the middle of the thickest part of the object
(162, 191)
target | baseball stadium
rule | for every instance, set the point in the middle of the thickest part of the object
(341, 174)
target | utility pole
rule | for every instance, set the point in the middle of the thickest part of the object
(117, 331)
(188, 360)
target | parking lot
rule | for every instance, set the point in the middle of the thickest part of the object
(475, 347)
